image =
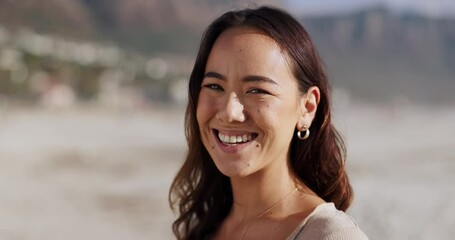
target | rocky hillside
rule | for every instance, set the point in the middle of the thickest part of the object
(151, 26)
(377, 54)
(69, 18)
(371, 53)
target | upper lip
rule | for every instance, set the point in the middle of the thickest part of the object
(232, 132)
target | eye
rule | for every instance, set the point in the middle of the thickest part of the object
(213, 86)
(257, 91)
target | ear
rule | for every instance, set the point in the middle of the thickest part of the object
(308, 106)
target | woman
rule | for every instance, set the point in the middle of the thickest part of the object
(264, 160)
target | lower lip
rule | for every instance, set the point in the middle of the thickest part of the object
(234, 148)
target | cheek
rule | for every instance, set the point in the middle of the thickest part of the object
(275, 116)
(206, 109)
(265, 114)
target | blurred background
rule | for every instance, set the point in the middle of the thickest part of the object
(92, 97)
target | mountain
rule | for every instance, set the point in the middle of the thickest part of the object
(372, 53)
(69, 18)
(377, 54)
(149, 26)
(157, 25)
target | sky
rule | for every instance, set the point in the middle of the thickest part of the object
(431, 8)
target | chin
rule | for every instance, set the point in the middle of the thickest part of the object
(234, 170)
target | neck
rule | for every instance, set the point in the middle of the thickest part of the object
(256, 193)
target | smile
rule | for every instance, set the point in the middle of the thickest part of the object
(234, 139)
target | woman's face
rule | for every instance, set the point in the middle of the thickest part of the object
(249, 104)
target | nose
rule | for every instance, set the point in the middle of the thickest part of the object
(232, 110)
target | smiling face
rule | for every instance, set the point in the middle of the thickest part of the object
(249, 103)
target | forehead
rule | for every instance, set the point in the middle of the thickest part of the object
(246, 39)
(249, 49)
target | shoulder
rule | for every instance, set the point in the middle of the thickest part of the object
(328, 223)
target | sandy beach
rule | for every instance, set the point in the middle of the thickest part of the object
(90, 173)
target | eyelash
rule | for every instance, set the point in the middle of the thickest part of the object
(213, 86)
(257, 91)
(217, 87)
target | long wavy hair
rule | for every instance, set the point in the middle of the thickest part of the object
(201, 192)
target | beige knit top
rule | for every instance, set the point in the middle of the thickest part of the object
(327, 223)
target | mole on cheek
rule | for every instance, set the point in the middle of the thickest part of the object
(257, 145)
(213, 147)
(259, 110)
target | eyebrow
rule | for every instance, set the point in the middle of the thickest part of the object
(214, 75)
(249, 78)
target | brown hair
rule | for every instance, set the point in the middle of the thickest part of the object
(201, 192)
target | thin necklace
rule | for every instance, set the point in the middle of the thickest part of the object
(265, 212)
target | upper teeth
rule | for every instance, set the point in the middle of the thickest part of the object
(234, 139)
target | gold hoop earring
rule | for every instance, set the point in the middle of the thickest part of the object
(307, 133)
